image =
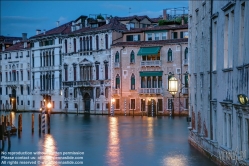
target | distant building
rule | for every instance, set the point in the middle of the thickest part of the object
(15, 74)
(141, 66)
(218, 49)
(7, 41)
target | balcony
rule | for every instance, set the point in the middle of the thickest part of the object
(116, 91)
(151, 91)
(46, 92)
(116, 64)
(9, 83)
(185, 62)
(155, 63)
(185, 90)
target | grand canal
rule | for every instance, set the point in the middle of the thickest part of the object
(111, 141)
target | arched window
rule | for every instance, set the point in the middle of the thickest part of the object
(132, 82)
(74, 45)
(97, 42)
(80, 44)
(106, 41)
(170, 59)
(65, 46)
(106, 92)
(87, 43)
(91, 45)
(186, 53)
(117, 57)
(84, 44)
(186, 79)
(132, 57)
(97, 92)
(117, 82)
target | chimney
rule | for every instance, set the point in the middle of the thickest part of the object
(38, 31)
(183, 20)
(128, 26)
(107, 21)
(24, 36)
(164, 14)
(57, 23)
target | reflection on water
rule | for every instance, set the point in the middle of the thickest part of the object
(113, 150)
(150, 135)
(48, 149)
(179, 160)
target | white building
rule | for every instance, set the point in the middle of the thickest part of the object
(15, 74)
(218, 49)
(71, 65)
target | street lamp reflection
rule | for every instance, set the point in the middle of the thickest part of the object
(178, 160)
(113, 151)
(49, 151)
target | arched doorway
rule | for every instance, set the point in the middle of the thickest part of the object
(87, 102)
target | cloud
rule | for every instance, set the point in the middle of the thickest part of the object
(22, 19)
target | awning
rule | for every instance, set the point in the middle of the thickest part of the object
(151, 73)
(144, 51)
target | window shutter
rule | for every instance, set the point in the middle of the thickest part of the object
(181, 34)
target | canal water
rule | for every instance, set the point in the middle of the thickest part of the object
(105, 141)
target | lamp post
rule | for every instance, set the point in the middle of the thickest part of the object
(173, 88)
(48, 116)
(12, 100)
(112, 109)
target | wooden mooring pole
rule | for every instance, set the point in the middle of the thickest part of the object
(39, 123)
(32, 122)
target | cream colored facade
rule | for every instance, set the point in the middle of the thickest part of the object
(147, 94)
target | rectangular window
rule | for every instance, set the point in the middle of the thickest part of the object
(174, 35)
(107, 106)
(164, 36)
(160, 105)
(21, 102)
(0, 90)
(28, 102)
(97, 106)
(226, 36)
(156, 36)
(241, 35)
(132, 106)
(60, 104)
(97, 72)
(214, 45)
(21, 90)
(33, 104)
(117, 105)
(21, 75)
(6, 91)
(149, 36)
(106, 71)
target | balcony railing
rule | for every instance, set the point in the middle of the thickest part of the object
(115, 91)
(185, 91)
(151, 63)
(12, 82)
(116, 65)
(43, 92)
(151, 91)
(185, 61)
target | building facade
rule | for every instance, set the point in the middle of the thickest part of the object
(141, 66)
(218, 49)
(15, 74)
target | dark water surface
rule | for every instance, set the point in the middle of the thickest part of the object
(114, 141)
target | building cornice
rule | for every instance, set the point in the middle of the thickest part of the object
(228, 5)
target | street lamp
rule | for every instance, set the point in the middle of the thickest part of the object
(112, 102)
(173, 88)
(49, 106)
